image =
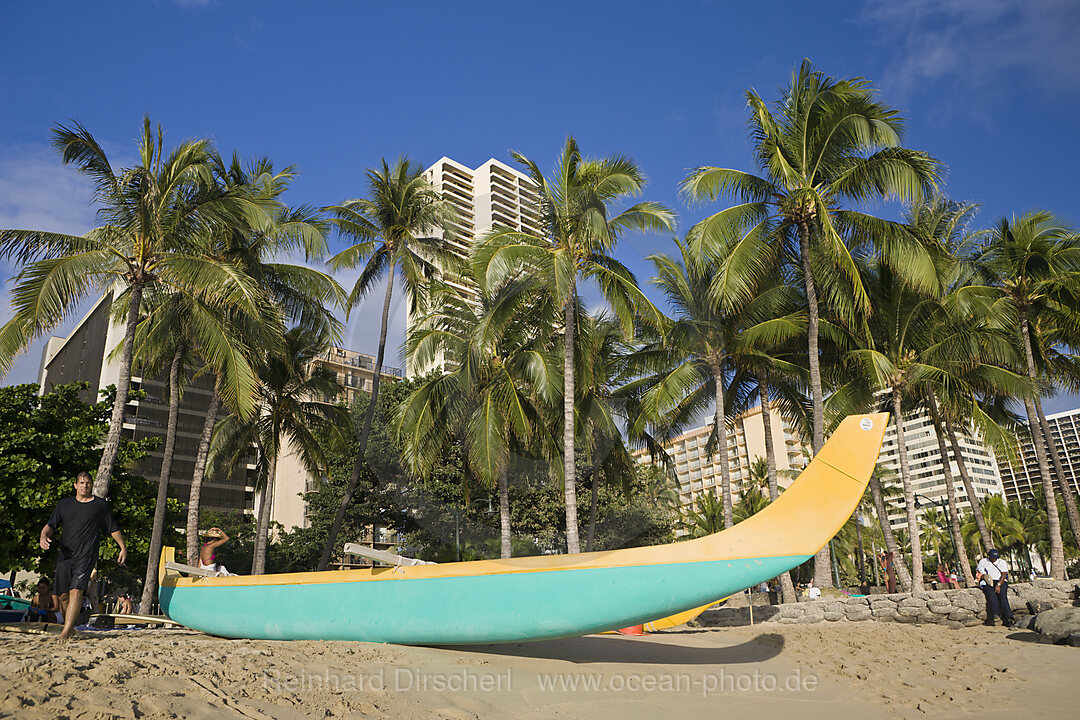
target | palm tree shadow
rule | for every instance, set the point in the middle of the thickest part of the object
(635, 650)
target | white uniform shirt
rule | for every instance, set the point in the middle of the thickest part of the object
(992, 569)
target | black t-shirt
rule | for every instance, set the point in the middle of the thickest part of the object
(83, 523)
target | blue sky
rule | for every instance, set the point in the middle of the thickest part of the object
(991, 87)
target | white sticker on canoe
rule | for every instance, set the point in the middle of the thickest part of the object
(866, 424)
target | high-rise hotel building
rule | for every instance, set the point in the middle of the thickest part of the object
(697, 472)
(491, 195)
(1023, 480)
(928, 470)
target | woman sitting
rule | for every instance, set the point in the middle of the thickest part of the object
(45, 604)
(216, 537)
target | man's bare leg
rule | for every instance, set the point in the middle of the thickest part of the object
(71, 613)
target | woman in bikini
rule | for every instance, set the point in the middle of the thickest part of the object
(216, 537)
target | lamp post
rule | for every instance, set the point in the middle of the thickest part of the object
(458, 512)
(945, 511)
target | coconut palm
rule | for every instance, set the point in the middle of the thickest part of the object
(293, 295)
(156, 218)
(1034, 261)
(703, 345)
(579, 230)
(882, 489)
(823, 141)
(289, 417)
(503, 375)
(401, 226)
(604, 364)
(706, 517)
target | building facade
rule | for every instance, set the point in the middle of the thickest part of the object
(699, 473)
(1022, 479)
(928, 470)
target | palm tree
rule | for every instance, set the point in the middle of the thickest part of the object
(288, 416)
(1035, 261)
(705, 343)
(706, 517)
(156, 218)
(604, 364)
(395, 228)
(503, 374)
(292, 294)
(881, 490)
(578, 234)
(823, 141)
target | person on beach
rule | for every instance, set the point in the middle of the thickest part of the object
(126, 605)
(83, 519)
(208, 555)
(45, 603)
(992, 574)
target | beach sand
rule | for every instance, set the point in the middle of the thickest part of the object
(824, 670)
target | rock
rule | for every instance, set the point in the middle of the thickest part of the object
(863, 614)
(1074, 640)
(787, 620)
(808, 618)
(912, 603)
(1058, 625)
(907, 618)
(878, 604)
(1026, 622)
(880, 613)
(832, 606)
(791, 610)
(833, 616)
(1038, 606)
(961, 614)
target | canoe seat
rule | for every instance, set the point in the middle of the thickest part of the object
(381, 555)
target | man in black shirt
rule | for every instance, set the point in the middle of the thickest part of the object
(83, 518)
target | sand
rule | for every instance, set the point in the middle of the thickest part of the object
(825, 670)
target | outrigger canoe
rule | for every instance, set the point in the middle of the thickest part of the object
(538, 598)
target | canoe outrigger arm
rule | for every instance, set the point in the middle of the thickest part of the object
(189, 569)
(382, 556)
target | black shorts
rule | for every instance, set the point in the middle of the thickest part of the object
(73, 573)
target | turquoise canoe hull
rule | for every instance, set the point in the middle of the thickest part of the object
(510, 607)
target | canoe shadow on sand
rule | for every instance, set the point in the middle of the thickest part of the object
(635, 650)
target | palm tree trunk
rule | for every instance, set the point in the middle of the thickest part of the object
(573, 542)
(887, 534)
(358, 465)
(262, 533)
(592, 502)
(1063, 483)
(950, 491)
(787, 588)
(197, 476)
(722, 445)
(163, 485)
(822, 574)
(909, 494)
(973, 500)
(1053, 521)
(123, 383)
(504, 514)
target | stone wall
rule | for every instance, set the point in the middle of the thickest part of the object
(956, 608)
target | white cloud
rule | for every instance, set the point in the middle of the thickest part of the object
(38, 193)
(978, 48)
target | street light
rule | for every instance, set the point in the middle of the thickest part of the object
(458, 512)
(945, 511)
